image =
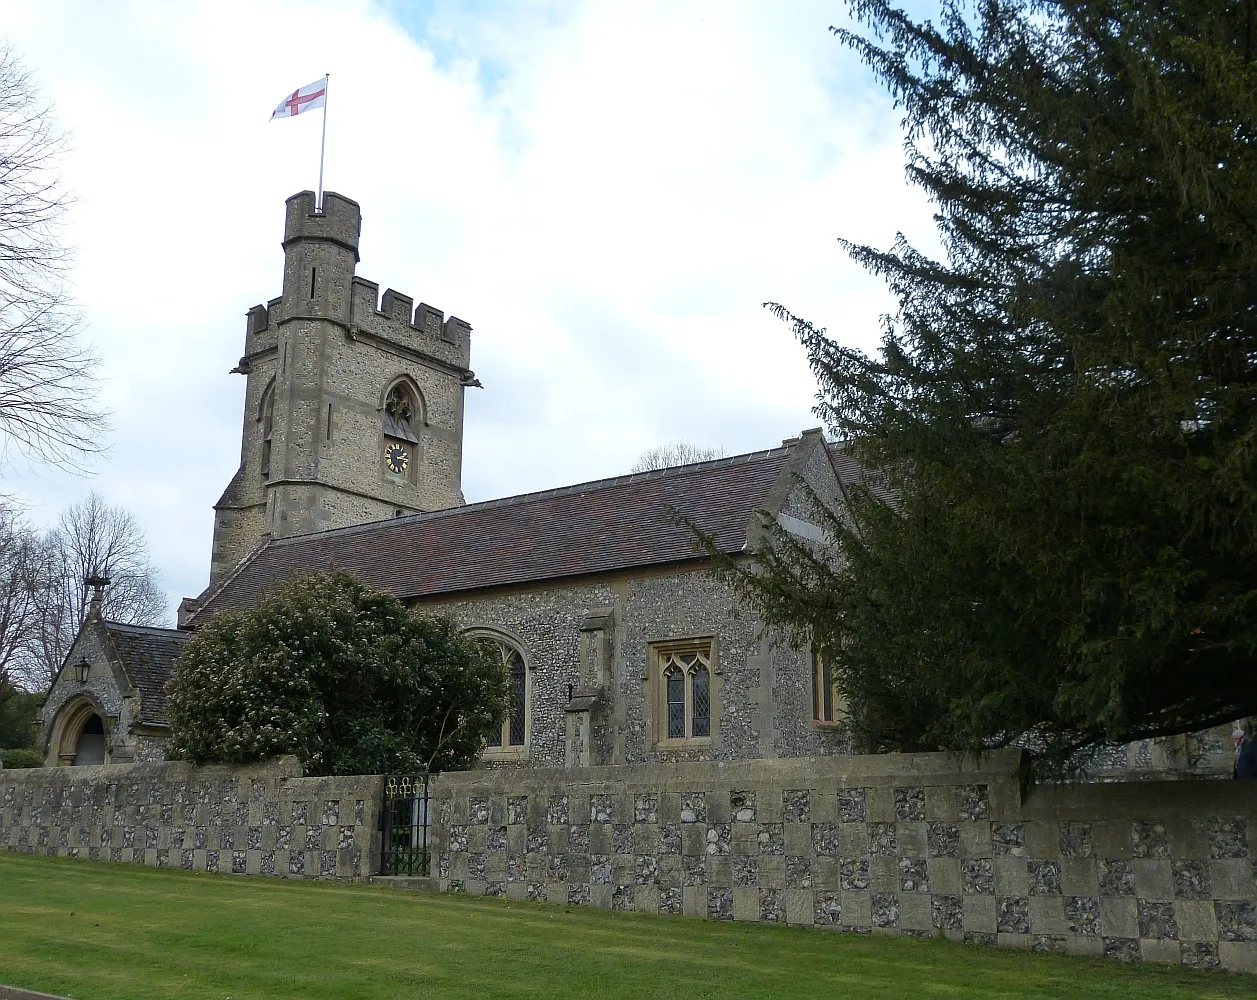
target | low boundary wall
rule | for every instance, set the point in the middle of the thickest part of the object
(261, 820)
(913, 844)
(917, 844)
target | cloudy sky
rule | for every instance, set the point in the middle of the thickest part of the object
(606, 191)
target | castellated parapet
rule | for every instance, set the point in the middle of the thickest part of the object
(321, 361)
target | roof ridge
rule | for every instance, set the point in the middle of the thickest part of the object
(147, 629)
(213, 589)
(555, 491)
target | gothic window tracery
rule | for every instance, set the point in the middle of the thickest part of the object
(511, 738)
(684, 678)
(401, 420)
(401, 414)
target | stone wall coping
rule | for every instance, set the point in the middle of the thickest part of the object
(1080, 801)
(871, 769)
(279, 768)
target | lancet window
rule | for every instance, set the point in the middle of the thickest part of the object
(828, 707)
(401, 414)
(268, 422)
(401, 423)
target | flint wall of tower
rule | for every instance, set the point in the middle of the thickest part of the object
(332, 346)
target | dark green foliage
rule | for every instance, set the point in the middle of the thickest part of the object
(18, 709)
(344, 677)
(21, 757)
(1064, 405)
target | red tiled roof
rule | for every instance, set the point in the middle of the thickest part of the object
(612, 524)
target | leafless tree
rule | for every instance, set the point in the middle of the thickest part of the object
(92, 538)
(19, 558)
(48, 387)
(665, 456)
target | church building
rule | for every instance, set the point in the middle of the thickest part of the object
(620, 645)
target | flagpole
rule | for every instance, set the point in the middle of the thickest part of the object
(322, 144)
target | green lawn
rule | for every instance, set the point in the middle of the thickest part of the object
(115, 932)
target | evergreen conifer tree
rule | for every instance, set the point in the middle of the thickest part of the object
(1065, 404)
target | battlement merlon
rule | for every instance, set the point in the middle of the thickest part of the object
(422, 328)
(258, 320)
(339, 222)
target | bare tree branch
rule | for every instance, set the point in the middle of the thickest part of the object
(92, 538)
(19, 554)
(665, 456)
(48, 387)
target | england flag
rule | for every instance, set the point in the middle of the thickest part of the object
(307, 98)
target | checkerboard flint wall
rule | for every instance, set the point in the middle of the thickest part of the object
(262, 820)
(895, 844)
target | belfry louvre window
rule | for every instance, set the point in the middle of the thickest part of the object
(827, 704)
(514, 729)
(400, 412)
(683, 674)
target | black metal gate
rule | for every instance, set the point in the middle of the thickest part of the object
(405, 821)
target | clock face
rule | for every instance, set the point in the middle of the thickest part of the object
(396, 459)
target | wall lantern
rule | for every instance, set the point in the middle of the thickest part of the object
(83, 670)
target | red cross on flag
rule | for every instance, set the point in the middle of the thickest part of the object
(307, 98)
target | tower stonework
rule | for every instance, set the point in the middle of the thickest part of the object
(353, 403)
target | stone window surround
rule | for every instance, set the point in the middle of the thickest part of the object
(657, 694)
(410, 437)
(266, 417)
(509, 754)
(838, 702)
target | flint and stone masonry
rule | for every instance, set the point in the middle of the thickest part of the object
(261, 820)
(914, 844)
(319, 361)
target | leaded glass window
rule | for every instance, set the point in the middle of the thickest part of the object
(684, 672)
(676, 704)
(514, 729)
(515, 721)
(700, 714)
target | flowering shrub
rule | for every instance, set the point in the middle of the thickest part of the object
(344, 677)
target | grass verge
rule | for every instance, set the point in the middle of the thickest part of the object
(96, 931)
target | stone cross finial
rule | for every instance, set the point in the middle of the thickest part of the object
(98, 585)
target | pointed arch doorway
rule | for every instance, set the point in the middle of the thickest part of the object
(82, 740)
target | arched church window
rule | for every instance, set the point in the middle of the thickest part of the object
(268, 422)
(399, 413)
(401, 422)
(511, 737)
(683, 677)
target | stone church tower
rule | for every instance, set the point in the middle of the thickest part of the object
(353, 405)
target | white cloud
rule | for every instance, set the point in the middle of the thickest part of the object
(606, 192)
